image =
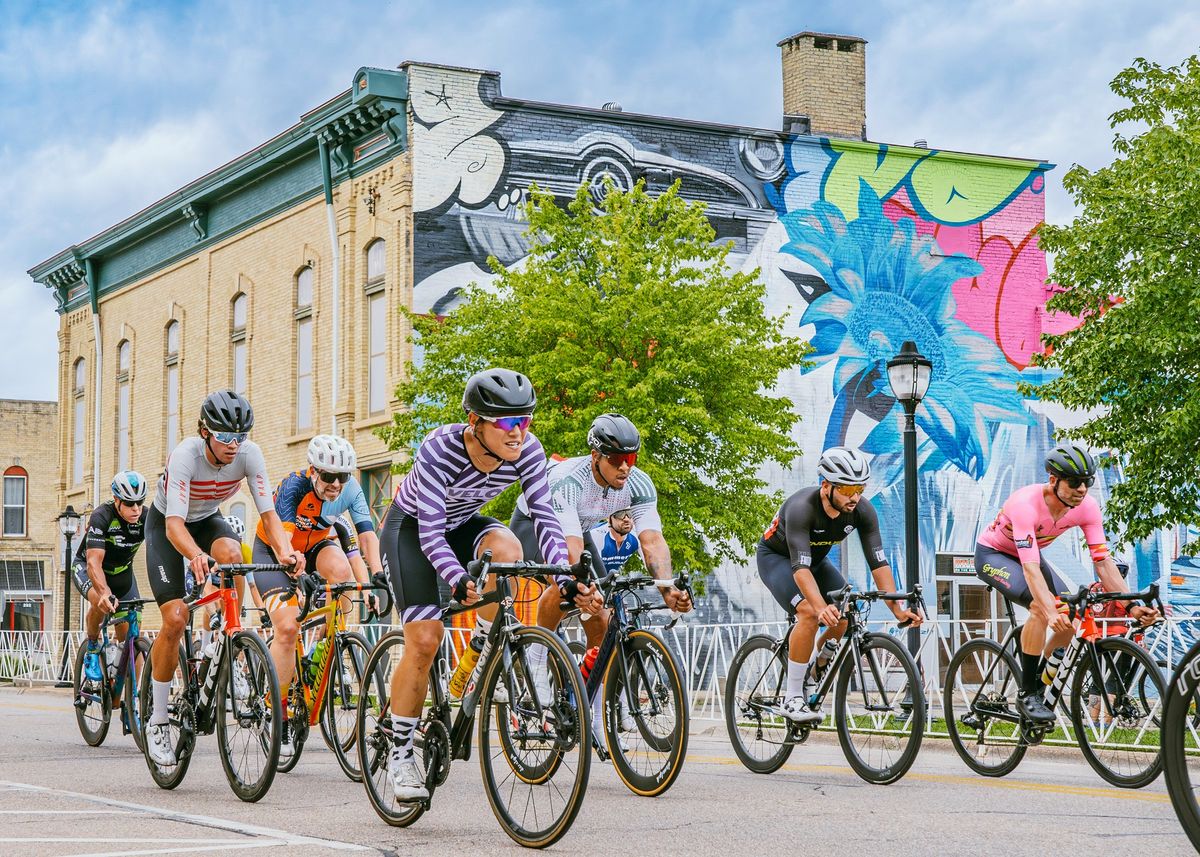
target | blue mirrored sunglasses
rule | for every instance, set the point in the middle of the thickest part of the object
(230, 436)
(509, 423)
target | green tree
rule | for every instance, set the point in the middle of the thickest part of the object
(629, 308)
(1129, 266)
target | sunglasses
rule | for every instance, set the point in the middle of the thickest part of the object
(849, 490)
(616, 459)
(621, 516)
(330, 478)
(1076, 482)
(228, 437)
(509, 423)
(132, 504)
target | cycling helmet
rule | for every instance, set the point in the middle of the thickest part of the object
(235, 524)
(331, 454)
(129, 486)
(843, 466)
(226, 410)
(613, 433)
(1070, 459)
(499, 393)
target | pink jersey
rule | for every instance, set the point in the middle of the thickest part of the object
(1025, 524)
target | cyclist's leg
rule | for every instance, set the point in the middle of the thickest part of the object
(83, 585)
(282, 606)
(165, 568)
(123, 586)
(1005, 574)
(1058, 587)
(775, 570)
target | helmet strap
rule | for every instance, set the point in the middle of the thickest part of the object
(608, 486)
(486, 449)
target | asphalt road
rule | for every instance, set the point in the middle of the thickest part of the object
(60, 797)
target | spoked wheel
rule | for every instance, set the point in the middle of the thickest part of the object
(93, 701)
(1181, 744)
(248, 709)
(374, 729)
(980, 707)
(133, 694)
(754, 695)
(535, 752)
(1116, 706)
(181, 722)
(645, 715)
(346, 687)
(297, 724)
(880, 710)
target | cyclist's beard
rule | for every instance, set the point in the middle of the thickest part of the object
(1065, 501)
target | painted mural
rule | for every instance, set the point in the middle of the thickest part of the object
(861, 247)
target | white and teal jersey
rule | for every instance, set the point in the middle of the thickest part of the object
(581, 503)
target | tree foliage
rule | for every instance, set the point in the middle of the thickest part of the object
(1129, 265)
(629, 307)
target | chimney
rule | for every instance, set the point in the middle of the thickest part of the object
(825, 80)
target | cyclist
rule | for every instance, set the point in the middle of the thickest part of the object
(615, 541)
(793, 561)
(308, 502)
(103, 567)
(185, 526)
(1008, 558)
(433, 529)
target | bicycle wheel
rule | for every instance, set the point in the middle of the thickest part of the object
(181, 720)
(1116, 723)
(297, 721)
(247, 714)
(980, 707)
(93, 701)
(535, 811)
(374, 729)
(133, 683)
(645, 715)
(754, 691)
(880, 709)
(346, 686)
(1181, 744)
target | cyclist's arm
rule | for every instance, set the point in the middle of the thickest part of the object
(881, 571)
(368, 544)
(280, 539)
(368, 541)
(574, 548)
(95, 571)
(656, 554)
(181, 539)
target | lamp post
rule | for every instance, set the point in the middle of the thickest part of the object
(68, 525)
(908, 374)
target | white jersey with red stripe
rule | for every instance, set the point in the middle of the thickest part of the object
(193, 489)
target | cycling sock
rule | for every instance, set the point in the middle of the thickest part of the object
(598, 710)
(161, 691)
(795, 677)
(537, 658)
(1031, 676)
(403, 729)
(93, 645)
(482, 627)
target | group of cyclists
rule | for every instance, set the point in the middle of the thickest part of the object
(600, 503)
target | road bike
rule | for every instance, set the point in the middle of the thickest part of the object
(94, 699)
(233, 691)
(1109, 686)
(879, 704)
(534, 746)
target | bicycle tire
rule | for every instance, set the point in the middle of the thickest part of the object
(1111, 650)
(95, 716)
(297, 721)
(736, 708)
(181, 718)
(1179, 735)
(342, 738)
(259, 714)
(914, 722)
(1005, 740)
(672, 745)
(132, 693)
(570, 722)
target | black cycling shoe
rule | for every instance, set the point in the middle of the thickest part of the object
(1034, 708)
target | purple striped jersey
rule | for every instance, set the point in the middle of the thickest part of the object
(444, 489)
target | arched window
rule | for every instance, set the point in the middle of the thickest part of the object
(79, 420)
(172, 392)
(304, 349)
(124, 359)
(376, 293)
(238, 337)
(16, 501)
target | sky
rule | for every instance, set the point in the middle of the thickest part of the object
(107, 107)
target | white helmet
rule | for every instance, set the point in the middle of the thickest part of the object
(235, 524)
(331, 454)
(843, 466)
(129, 486)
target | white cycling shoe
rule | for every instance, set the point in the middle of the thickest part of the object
(796, 710)
(408, 780)
(158, 744)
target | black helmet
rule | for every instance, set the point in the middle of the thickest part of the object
(225, 410)
(499, 393)
(1070, 459)
(613, 433)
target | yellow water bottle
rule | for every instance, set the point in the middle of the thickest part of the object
(466, 665)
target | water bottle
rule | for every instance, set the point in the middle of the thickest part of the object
(466, 665)
(589, 661)
(112, 654)
(828, 650)
(1052, 665)
(316, 660)
(209, 669)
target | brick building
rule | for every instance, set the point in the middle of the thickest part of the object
(420, 173)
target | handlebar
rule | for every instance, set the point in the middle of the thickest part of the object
(478, 571)
(310, 585)
(842, 598)
(1086, 597)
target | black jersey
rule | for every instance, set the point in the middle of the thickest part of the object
(802, 531)
(109, 532)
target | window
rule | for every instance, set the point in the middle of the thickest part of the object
(304, 349)
(377, 394)
(80, 418)
(123, 361)
(238, 338)
(172, 361)
(16, 481)
(377, 487)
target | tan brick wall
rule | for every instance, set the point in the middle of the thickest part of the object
(262, 262)
(827, 84)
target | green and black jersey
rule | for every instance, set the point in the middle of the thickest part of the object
(109, 532)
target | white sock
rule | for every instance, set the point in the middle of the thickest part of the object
(598, 711)
(795, 678)
(537, 658)
(161, 691)
(482, 627)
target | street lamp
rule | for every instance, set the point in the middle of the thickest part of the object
(68, 525)
(908, 373)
